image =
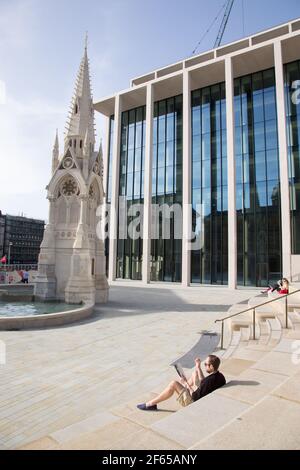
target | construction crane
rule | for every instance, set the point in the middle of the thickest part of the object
(224, 23)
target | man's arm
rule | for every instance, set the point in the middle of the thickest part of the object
(186, 384)
(199, 370)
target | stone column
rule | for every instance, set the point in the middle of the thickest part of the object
(68, 211)
(81, 283)
(83, 207)
(52, 201)
(283, 163)
(232, 223)
(45, 283)
(148, 185)
(49, 235)
(81, 240)
(186, 181)
(113, 233)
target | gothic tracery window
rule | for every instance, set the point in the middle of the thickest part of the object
(69, 187)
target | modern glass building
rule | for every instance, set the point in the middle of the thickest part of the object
(205, 156)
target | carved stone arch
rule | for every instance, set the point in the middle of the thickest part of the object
(69, 187)
(96, 181)
(93, 202)
(64, 183)
(94, 191)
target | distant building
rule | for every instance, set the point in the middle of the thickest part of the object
(2, 230)
(25, 236)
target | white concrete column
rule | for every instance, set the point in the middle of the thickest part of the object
(232, 224)
(115, 191)
(105, 208)
(186, 180)
(283, 162)
(106, 155)
(148, 185)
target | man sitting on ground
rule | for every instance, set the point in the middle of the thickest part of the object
(195, 388)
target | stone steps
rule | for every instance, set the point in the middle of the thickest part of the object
(255, 371)
(248, 383)
(258, 408)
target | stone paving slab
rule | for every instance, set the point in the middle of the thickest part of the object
(278, 363)
(57, 377)
(88, 425)
(186, 427)
(132, 413)
(144, 440)
(293, 334)
(251, 386)
(285, 346)
(248, 354)
(290, 390)
(45, 443)
(104, 437)
(273, 424)
(234, 366)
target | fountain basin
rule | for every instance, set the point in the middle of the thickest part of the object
(19, 311)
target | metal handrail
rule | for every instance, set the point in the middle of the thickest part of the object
(282, 296)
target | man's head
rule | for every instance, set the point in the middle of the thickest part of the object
(212, 363)
(285, 283)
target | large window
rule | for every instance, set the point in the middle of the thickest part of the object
(209, 261)
(257, 180)
(166, 251)
(131, 187)
(292, 74)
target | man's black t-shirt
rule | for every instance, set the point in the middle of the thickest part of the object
(209, 384)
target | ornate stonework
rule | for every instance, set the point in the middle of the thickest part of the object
(69, 187)
(72, 261)
(68, 163)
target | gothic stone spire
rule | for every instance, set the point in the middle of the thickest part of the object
(81, 119)
(55, 153)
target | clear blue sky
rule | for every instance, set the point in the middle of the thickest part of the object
(41, 44)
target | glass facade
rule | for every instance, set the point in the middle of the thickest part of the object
(131, 187)
(209, 262)
(167, 187)
(257, 180)
(109, 183)
(292, 75)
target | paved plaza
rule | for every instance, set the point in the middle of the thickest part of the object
(60, 383)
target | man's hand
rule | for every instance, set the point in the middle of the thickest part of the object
(198, 368)
(198, 362)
